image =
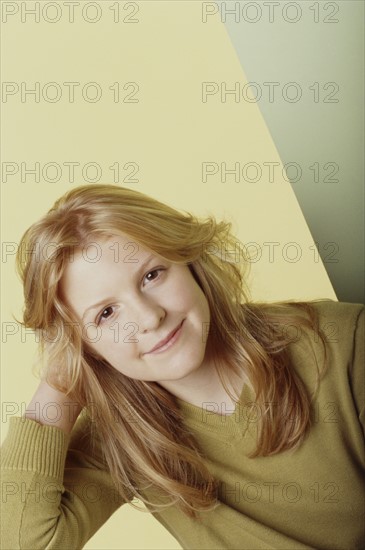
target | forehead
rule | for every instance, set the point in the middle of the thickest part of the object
(116, 248)
(100, 258)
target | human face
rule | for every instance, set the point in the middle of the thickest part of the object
(141, 299)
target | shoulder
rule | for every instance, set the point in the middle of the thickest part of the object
(339, 359)
(342, 324)
(341, 311)
(343, 328)
(346, 353)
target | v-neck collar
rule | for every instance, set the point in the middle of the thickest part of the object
(206, 419)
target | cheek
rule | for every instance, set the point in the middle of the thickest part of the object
(117, 346)
(103, 347)
(199, 298)
(187, 291)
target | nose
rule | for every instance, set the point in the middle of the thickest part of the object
(146, 313)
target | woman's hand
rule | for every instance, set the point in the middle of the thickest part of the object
(53, 408)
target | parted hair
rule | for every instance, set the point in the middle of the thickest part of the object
(138, 423)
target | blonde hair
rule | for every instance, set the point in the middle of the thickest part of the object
(156, 449)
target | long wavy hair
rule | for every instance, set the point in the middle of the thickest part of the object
(156, 449)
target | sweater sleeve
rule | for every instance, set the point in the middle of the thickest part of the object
(358, 367)
(56, 490)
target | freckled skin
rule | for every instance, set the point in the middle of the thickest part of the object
(144, 308)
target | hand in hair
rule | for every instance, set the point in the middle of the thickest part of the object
(55, 401)
(53, 408)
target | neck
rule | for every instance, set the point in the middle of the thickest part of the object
(204, 387)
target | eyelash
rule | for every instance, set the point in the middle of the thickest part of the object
(100, 318)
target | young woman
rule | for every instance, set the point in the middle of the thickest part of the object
(239, 425)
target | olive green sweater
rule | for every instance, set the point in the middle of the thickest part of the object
(57, 491)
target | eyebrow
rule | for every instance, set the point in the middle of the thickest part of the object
(106, 300)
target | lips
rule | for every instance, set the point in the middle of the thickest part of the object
(165, 340)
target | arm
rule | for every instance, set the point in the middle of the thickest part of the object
(56, 490)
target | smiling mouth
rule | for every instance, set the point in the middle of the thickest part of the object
(168, 341)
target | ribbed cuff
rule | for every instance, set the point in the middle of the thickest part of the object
(36, 447)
